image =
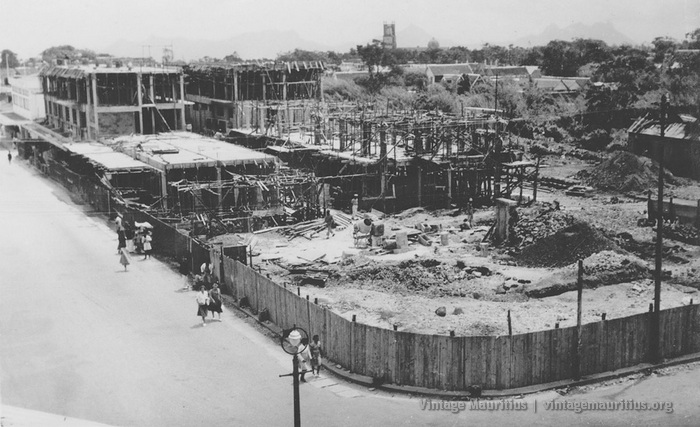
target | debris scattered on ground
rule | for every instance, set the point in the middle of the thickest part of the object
(601, 269)
(624, 172)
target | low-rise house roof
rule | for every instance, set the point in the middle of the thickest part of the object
(679, 126)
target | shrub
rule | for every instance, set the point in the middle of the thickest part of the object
(596, 140)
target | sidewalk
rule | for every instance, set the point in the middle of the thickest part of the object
(485, 394)
(12, 416)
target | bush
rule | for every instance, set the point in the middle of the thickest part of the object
(437, 98)
(342, 90)
(596, 140)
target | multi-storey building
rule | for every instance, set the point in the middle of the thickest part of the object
(273, 97)
(27, 98)
(87, 102)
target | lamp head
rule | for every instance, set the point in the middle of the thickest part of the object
(294, 337)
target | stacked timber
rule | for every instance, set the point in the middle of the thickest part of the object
(308, 229)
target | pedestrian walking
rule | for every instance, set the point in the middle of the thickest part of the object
(315, 349)
(124, 259)
(122, 241)
(215, 301)
(330, 223)
(9, 157)
(304, 357)
(469, 210)
(202, 299)
(354, 203)
(147, 239)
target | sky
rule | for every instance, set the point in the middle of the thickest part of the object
(30, 26)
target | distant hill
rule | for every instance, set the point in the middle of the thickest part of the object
(255, 45)
(600, 31)
(414, 36)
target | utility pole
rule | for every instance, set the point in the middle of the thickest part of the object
(656, 340)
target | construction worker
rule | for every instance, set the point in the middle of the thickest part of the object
(354, 203)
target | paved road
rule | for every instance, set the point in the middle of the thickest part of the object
(82, 338)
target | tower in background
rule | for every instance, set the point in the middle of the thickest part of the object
(389, 39)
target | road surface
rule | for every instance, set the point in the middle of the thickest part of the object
(81, 338)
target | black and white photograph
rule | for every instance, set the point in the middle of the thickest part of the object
(349, 213)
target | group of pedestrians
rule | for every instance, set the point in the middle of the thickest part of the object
(142, 241)
(309, 357)
(209, 301)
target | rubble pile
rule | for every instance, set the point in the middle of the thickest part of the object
(624, 172)
(568, 245)
(647, 249)
(600, 269)
(427, 277)
(539, 222)
(682, 233)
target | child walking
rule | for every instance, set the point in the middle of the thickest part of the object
(315, 348)
(202, 304)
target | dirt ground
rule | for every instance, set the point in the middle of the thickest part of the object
(478, 287)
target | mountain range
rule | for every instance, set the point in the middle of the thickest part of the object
(268, 44)
(601, 31)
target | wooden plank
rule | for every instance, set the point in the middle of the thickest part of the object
(695, 329)
(504, 364)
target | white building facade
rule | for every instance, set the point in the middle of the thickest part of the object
(27, 97)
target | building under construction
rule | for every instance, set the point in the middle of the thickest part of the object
(271, 97)
(400, 159)
(86, 102)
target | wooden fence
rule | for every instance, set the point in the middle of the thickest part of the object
(432, 361)
(455, 363)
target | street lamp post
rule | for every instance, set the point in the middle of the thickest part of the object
(290, 341)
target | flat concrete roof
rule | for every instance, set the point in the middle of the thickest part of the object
(183, 150)
(106, 157)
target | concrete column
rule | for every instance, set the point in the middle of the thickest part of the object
(95, 103)
(183, 124)
(449, 184)
(263, 87)
(420, 186)
(218, 180)
(152, 95)
(164, 188)
(139, 97)
(78, 124)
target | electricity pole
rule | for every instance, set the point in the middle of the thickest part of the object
(656, 339)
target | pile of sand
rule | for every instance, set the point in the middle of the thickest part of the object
(624, 172)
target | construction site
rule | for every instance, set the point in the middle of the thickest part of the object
(442, 224)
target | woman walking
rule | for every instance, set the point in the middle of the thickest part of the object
(202, 303)
(215, 301)
(304, 358)
(124, 258)
(147, 239)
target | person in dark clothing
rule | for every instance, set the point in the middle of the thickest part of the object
(330, 223)
(9, 157)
